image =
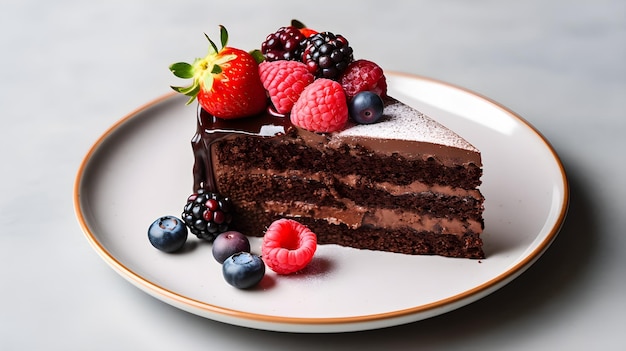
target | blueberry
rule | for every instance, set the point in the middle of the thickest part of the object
(167, 233)
(229, 243)
(243, 270)
(366, 107)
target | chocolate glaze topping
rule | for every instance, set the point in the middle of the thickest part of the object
(211, 129)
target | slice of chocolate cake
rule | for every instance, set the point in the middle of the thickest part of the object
(406, 184)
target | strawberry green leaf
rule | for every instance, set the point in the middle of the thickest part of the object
(213, 48)
(216, 69)
(177, 89)
(257, 55)
(182, 70)
(191, 99)
(191, 90)
(223, 36)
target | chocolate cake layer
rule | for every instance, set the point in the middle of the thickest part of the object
(293, 153)
(331, 192)
(374, 187)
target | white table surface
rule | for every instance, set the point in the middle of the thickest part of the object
(70, 69)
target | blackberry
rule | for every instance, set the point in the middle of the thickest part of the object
(207, 214)
(287, 43)
(327, 55)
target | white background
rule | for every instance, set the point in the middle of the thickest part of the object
(70, 69)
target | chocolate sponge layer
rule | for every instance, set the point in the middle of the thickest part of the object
(291, 153)
(327, 193)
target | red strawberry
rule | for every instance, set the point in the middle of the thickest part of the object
(363, 75)
(288, 246)
(284, 81)
(321, 108)
(226, 81)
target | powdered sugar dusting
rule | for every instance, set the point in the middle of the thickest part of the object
(403, 122)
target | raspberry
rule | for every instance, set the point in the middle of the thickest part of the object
(286, 43)
(321, 108)
(207, 214)
(363, 75)
(288, 246)
(284, 81)
(327, 55)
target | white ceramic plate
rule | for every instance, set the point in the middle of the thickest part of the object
(140, 169)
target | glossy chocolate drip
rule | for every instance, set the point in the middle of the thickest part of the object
(211, 129)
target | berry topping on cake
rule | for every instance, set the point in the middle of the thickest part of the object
(287, 43)
(243, 270)
(284, 82)
(228, 244)
(288, 246)
(327, 55)
(167, 234)
(363, 75)
(226, 81)
(207, 214)
(366, 107)
(321, 108)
